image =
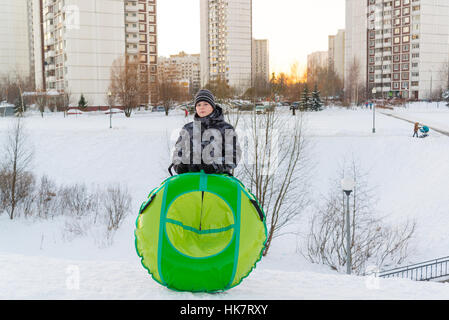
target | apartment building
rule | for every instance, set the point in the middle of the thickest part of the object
(261, 62)
(405, 44)
(16, 38)
(226, 42)
(336, 53)
(80, 40)
(182, 68)
(316, 60)
(141, 39)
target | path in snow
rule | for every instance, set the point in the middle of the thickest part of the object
(446, 133)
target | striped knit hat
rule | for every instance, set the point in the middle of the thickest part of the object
(205, 95)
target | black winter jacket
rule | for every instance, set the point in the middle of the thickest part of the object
(208, 153)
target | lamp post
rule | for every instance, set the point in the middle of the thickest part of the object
(110, 109)
(347, 184)
(374, 110)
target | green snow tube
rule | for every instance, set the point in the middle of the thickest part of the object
(200, 232)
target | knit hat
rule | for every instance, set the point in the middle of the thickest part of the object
(205, 95)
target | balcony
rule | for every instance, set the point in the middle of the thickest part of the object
(132, 30)
(129, 8)
(130, 18)
(132, 50)
(50, 42)
(51, 79)
(49, 54)
(132, 40)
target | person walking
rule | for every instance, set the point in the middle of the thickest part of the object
(416, 128)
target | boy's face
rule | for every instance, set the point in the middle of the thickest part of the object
(203, 109)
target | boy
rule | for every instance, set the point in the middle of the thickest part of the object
(208, 143)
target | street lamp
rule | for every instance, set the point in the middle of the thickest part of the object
(374, 111)
(348, 184)
(110, 109)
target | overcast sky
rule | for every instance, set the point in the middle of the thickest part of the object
(294, 28)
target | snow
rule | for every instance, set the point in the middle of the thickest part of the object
(409, 176)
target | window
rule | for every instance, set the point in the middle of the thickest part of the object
(406, 39)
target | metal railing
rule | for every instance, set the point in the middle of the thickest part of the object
(424, 271)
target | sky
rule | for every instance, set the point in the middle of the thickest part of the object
(294, 28)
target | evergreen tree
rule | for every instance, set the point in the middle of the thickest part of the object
(446, 97)
(315, 103)
(19, 107)
(305, 99)
(82, 104)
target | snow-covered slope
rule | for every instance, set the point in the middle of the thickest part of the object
(410, 177)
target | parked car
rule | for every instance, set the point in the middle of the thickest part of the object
(264, 107)
(158, 109)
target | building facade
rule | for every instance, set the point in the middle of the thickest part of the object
(336, 53)
(226, 42)
(315, 60)
(181, 68)
(261, 62)
(16, 38)
(80, 40)
(405, 46)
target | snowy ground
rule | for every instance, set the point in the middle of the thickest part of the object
(410, 177)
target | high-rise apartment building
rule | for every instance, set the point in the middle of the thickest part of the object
(181, 68)
(226, 41)
(336, 53)
(402, 45)
(317, 60)
(261, 62)
(141, 38)
(16, 38)
(80, 40)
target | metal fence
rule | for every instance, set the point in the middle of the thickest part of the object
(424, 271)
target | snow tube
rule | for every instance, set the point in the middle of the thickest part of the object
(200, 232)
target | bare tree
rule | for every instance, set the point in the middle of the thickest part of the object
(371, 240)
(117, 204)
(352, 88)
(17, 157)
(169, 92)
(127, 84)
(41, 100)
(275, 168)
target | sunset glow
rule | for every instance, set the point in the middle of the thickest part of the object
(294, 28)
